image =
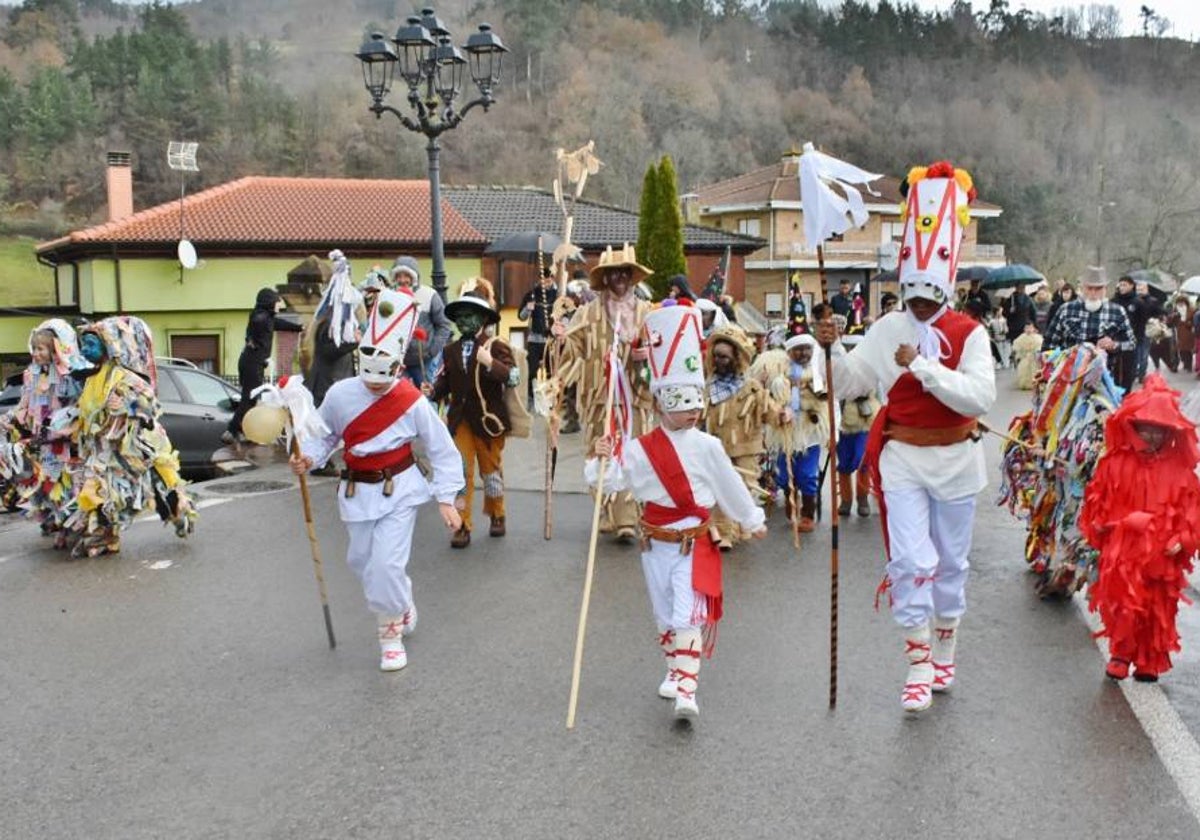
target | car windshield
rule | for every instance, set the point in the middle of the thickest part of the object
(204, 390)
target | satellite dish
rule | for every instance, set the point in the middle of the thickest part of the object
(187, 254)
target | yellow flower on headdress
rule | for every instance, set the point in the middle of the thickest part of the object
(964, 215)
(963, 177)
(916, 174)
(924, 223)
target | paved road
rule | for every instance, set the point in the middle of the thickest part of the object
(185, 690)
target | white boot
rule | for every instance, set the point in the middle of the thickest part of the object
(917, 695)
(945, 635)
(667, 688)
(687, 672)
(391, 646)
(408, 621)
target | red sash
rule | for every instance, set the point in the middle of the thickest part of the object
(706, 558)
(374, 419)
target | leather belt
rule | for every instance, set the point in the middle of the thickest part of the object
(684, 536)
(353, 477)
(917, 436)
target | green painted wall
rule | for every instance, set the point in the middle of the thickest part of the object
(214, 298)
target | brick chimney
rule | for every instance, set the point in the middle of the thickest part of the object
(120, 185)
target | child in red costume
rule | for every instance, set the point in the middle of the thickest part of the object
(1141, 512)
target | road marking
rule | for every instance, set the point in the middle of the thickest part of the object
(1174, 743)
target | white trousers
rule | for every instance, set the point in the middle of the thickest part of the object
(929, 541)
(669, 582)
(378, 554)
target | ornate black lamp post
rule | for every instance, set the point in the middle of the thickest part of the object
(432, 67)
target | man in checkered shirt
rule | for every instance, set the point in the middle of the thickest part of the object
(1099, 321)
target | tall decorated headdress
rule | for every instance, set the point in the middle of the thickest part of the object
(387, 335)
(671, 333)
(935, 213)
(624, 258)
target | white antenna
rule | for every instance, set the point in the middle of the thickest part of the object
(181, 157)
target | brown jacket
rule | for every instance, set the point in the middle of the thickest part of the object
(456, 383)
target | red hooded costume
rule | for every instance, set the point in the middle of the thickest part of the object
(1142, 512)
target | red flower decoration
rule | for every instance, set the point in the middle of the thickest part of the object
(941, 169)
(420, 334)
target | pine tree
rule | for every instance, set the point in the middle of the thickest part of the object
(665, 254)
(647, 215)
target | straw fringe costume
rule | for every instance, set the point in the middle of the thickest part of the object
(128, 463)
(737, 418)
(587, 340)
(45, 418)
(1025, 350)
(1147, 533)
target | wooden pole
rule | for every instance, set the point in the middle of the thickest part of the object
(591, 565)
(833, 501)
(315, 546)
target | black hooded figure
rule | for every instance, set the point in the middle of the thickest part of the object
(260, 336)
(678, 288)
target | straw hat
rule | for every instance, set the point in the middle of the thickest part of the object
(625, 258)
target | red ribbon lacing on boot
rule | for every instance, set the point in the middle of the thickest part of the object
(943, 675)
(680, 674)
(392, 631)
(917, 692)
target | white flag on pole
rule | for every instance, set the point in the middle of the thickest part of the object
(826, 213)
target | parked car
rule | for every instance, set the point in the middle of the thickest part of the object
(197, 407)
(11, 395)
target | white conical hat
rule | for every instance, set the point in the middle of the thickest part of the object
(936, 212)
(672, 334)
(389, 330)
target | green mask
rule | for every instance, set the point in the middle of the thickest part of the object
(469, 323)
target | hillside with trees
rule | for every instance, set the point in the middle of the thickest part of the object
(1088, 139)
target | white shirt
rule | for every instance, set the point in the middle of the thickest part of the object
(947, 472)
(714, 480)
(348, 398)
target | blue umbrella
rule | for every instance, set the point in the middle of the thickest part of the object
(1011, 276)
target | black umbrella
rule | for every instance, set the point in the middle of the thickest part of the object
(974, 272)
(523, 246)
(1157, 279)
(1011, 276)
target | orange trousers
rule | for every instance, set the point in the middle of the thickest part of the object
(489, 452)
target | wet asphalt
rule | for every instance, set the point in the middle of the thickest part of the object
(185, 689)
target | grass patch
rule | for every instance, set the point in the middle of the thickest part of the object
(23, 280)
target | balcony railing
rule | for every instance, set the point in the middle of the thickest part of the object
(866, 252)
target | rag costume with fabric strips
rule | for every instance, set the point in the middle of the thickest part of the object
(127, 461)
(377, 417)
(1051, 460)
(329, 341)
(1147, 532)
(923, 450)
(42, 426)
(679, 473)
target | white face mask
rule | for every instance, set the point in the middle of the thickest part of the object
(1093, 305)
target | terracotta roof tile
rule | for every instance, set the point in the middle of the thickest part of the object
(264, 210)
(501, 210)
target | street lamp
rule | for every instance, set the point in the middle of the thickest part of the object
(432, 68)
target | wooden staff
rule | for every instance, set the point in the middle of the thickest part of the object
(591, 565)
(1023, 444)
(833, 499)
(315, 546)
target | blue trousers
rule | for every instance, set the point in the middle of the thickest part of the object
(851, 447)
(806, 468)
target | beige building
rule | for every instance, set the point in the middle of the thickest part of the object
(766, 203)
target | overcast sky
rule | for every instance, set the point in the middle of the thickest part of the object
(1183, 14)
